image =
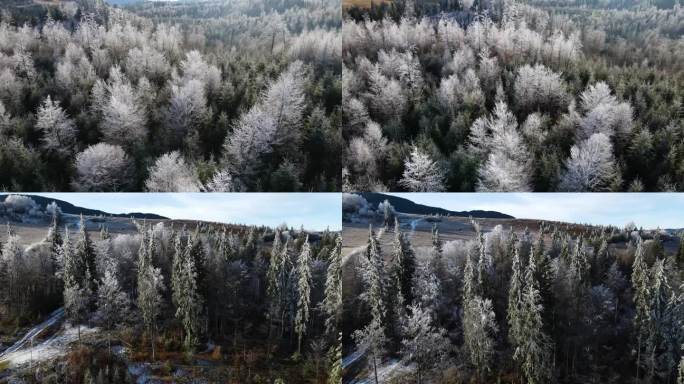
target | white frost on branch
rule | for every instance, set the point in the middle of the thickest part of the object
(421, 173)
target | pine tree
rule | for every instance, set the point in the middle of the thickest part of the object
(189, 305)
(640, 285)
(658, 361)
(424, 344)
(177, 269)
(515, 301)
(304, 293)
(533, 347)
(375, 279)
(680, 251)
(332, 301)
(150, 288)
(372, 339)
(335, 361)
(479, 327)
(85, 256)
(112, 303)
(404, 264)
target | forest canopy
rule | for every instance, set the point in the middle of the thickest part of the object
(178, 97)
(513, 96)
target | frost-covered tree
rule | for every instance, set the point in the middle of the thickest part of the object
(170, 173)
(533, 348)
(284, 101)
(187, 108)
(641, 288)
(102, 168)
(252, 138)
(424, 344)
(372, 338)
(189, 303)
(539, 87)
(514, 311)
(591, 166)
(112, 302)
(421, 173)
(222, 181)
(404, 264)
(604, 113)
(59, 132)
(124, 121)
(303, 292)
(479, 328)
(332, 302)
(150, 300)
(506, 166)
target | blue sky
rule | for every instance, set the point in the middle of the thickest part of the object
(650, 210)
(315, 211)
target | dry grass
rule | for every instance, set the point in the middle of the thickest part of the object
(362, 3)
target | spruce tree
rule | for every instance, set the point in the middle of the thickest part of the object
(332, 301)
(189, 305)
(533, 348)
(515, 301)
(680, 251)
(658, 344)
(304, 293)
(177, 269)
(404, 264)
(85, 254)
(375, 278)
(335, 362)
(640, 286)
(150, 288)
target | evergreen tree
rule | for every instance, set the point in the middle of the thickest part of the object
(424, 344)
(404, 263)
(479, 328)
(659, 361)
(680, 251)
(640, 286)
(112, 303)
(372, 339)
(335, 361)
(515, 301)
(533, 349)
(150, 288)
(177, 269)
(332, 301)
(375, 279)
(304, 293)
(189, 305)
(85, 256)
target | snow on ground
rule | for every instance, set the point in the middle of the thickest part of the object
(386, 372)
(55, 346)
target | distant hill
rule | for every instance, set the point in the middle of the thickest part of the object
(408, 206)
(74, 210)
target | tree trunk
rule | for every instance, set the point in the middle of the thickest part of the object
(152, 337)
(375, 369)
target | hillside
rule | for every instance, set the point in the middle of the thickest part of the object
(407, 206)
(69, 208)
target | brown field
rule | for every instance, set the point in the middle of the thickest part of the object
(362, 3)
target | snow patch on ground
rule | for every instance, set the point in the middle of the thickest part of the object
(386, 371)
(53, 347)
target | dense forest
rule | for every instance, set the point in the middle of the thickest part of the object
(196, 301)
(501, 95)
(210, 96)
(563, 304)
